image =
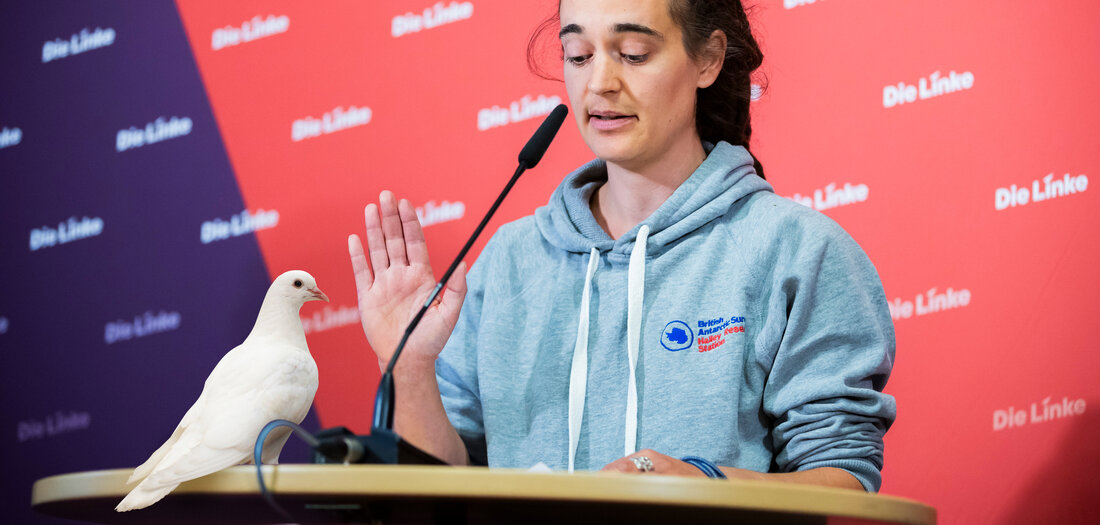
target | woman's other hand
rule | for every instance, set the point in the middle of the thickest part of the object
(658, 463)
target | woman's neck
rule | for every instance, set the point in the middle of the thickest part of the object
(631, 195)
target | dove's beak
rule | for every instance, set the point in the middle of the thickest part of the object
(318, 294)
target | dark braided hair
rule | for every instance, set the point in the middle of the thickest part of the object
(722, 109)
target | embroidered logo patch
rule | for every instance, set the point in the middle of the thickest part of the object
(677, 336)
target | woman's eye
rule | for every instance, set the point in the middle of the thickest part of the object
(577, 60)
(635, 59)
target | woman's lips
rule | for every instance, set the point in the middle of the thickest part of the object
(610, 122)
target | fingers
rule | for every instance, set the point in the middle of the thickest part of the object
(415, 246)
(376, 242)
(396, 237)
(661, 464)
(622, 465)
(363, 277)
(626, 464)
(392, 229)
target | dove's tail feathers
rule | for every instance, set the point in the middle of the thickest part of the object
(170, 473)
(143, 496)
(143, 470)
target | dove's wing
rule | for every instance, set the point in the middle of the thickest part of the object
(188, 434)
(186, 460)
(182, 458)
(143, 470)
(190, 458)
(253, 384)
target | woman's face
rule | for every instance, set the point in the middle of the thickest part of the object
(630, 80)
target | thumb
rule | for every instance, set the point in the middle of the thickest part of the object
(455, 294)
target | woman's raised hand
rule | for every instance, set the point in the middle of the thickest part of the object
(401, 280)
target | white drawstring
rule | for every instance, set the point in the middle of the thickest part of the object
(635, 292)
(578, 377)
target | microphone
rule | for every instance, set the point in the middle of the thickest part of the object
(383, 445)
(532, 152)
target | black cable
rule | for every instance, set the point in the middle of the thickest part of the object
(257, 454)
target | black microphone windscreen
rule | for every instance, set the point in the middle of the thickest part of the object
(532, 153)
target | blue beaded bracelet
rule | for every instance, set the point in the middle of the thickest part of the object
(708, 468)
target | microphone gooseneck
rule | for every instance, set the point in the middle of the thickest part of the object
(529, 156)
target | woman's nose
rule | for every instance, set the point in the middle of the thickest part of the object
(604, 74)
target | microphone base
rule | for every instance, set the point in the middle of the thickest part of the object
(380, 447)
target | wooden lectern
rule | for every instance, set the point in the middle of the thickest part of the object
(433, 494)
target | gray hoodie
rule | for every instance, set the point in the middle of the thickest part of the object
(732, 324)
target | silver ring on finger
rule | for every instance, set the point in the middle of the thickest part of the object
(642, 463)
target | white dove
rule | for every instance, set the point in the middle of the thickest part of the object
(271, 375)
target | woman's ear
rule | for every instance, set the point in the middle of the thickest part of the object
(714, 56)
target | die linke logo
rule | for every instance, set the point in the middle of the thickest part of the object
(430, 213)
(242, 223)
(933, 86)
(159, 130)
(249, 30)
(10, 137)
(329, 318)
(432, 17)
(791, 4)
(518, 111)
(72, 230)
(78, 43)
(831, 196)
(1040, 412)
(338, 119)
(60, 422)
(143, 325)
(708, 334)
(1051, 188)
(929, 302)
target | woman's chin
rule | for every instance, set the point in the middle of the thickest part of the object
(619, 154)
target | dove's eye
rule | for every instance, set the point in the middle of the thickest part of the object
(297, 283)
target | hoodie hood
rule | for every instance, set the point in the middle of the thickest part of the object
(724, 177)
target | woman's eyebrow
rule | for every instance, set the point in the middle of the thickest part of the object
(617, 28)
(571, 28)
(637, 28)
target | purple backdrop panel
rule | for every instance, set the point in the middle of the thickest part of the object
(114, 310)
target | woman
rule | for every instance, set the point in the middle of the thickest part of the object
(665, 312)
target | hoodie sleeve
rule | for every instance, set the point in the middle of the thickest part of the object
(823, 392)
(456, 368)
